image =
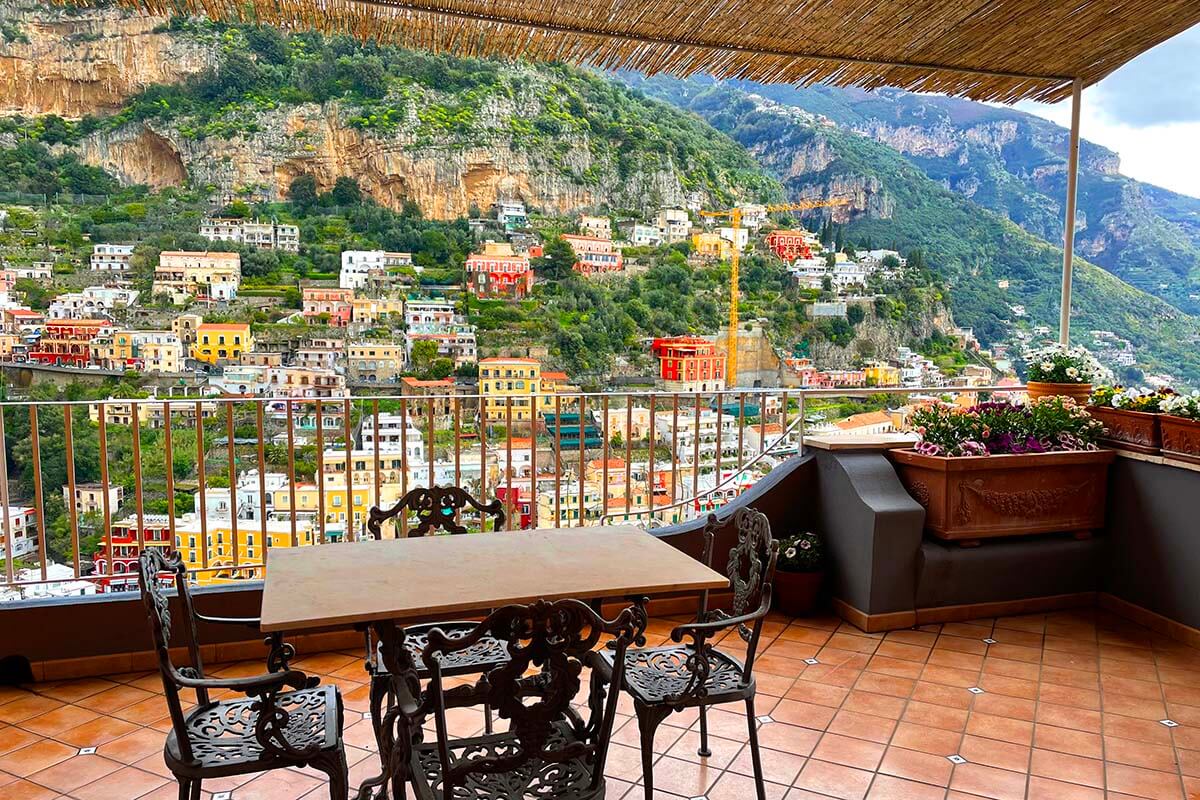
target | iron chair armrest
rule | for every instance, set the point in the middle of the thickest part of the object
(252, 684)
(253, 622)
(703, 630)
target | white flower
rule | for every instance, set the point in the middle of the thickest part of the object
(805, 544)
(790, 552)
(1047, 366)
(1072, 372)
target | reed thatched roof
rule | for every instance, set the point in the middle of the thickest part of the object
(999, 50)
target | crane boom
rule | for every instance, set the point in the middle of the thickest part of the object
(735, 222)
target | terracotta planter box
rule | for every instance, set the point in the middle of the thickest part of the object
(1079, 392)
(1180, 438)
(984, 497)
(1132, 430)
(795, 593)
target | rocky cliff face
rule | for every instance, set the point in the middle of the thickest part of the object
(91, 62)
(444, 178)
(86, 62)
(880, 338)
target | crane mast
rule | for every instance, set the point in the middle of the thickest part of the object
(735, 222)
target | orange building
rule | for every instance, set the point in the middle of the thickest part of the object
(595, 256)
(690, 364)
(68, 342)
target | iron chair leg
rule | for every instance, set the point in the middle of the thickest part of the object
(756, 759)
(649, 718)
(487, 718)
(704, 752)
(333, 764)
(185, 787)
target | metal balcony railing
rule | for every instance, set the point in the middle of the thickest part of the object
(86, 485)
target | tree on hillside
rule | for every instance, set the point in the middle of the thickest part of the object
(346, 192)
(303, 191)
(557, 261)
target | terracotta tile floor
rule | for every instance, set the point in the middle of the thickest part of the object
(1046, 707)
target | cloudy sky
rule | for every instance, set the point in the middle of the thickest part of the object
(1149, 112)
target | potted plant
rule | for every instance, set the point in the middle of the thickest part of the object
(1180, 425)
(1064, 371)
(998, 469)
(1130, 416)
(798, 574)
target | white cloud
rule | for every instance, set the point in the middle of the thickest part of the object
(1148, 111)
(1163, 154)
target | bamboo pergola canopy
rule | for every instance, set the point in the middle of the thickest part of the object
(995, 50)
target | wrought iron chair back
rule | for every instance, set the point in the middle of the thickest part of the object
(751, 568)
(153, 565)
(435, 507)
(553, 638)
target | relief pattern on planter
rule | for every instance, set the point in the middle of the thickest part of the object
(1181, 438)
(1035, 503)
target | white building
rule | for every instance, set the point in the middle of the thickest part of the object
(645, 236)
(111, 258)
(250, 500)
(738, 237)
(22, 523)
(753, 216)
(393, 436)
(674, 224)
(511, 214)
(682, 438)
(360, 267)
(429, 312)
(252, 233)
(91, 303)
(811, 273)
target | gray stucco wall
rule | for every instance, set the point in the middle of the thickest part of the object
(1154, 538)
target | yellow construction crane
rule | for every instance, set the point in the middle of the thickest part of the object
(735, 223)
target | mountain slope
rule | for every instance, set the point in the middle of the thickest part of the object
(1015, 164)
(250, 110)
(972, 248)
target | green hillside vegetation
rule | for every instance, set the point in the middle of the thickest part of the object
(969, 247)
(433, 101)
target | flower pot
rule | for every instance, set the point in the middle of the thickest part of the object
(1180, 438)
(973, 498)
(1079, 392)
(795, 593)
(1130, 430)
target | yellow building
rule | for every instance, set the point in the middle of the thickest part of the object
(206, 276)
(221, 342)
(375, 362)
(504, 378)
(250, 546)
(373, 310)
(711, 245)
(568, 506)
(161, 356)
(9, 344)
(880, 374)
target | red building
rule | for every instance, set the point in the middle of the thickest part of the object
(596, 256)
(67, 342)
(790, 245)
(156, 532)
(499, 272)
(519, 505)
(690, 364)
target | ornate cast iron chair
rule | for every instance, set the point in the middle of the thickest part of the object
(676, 676)
(434, 508)
(286, 720)
(549, 750)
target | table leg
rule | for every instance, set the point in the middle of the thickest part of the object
(397, 729)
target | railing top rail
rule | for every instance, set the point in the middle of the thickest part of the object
(847, 391)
